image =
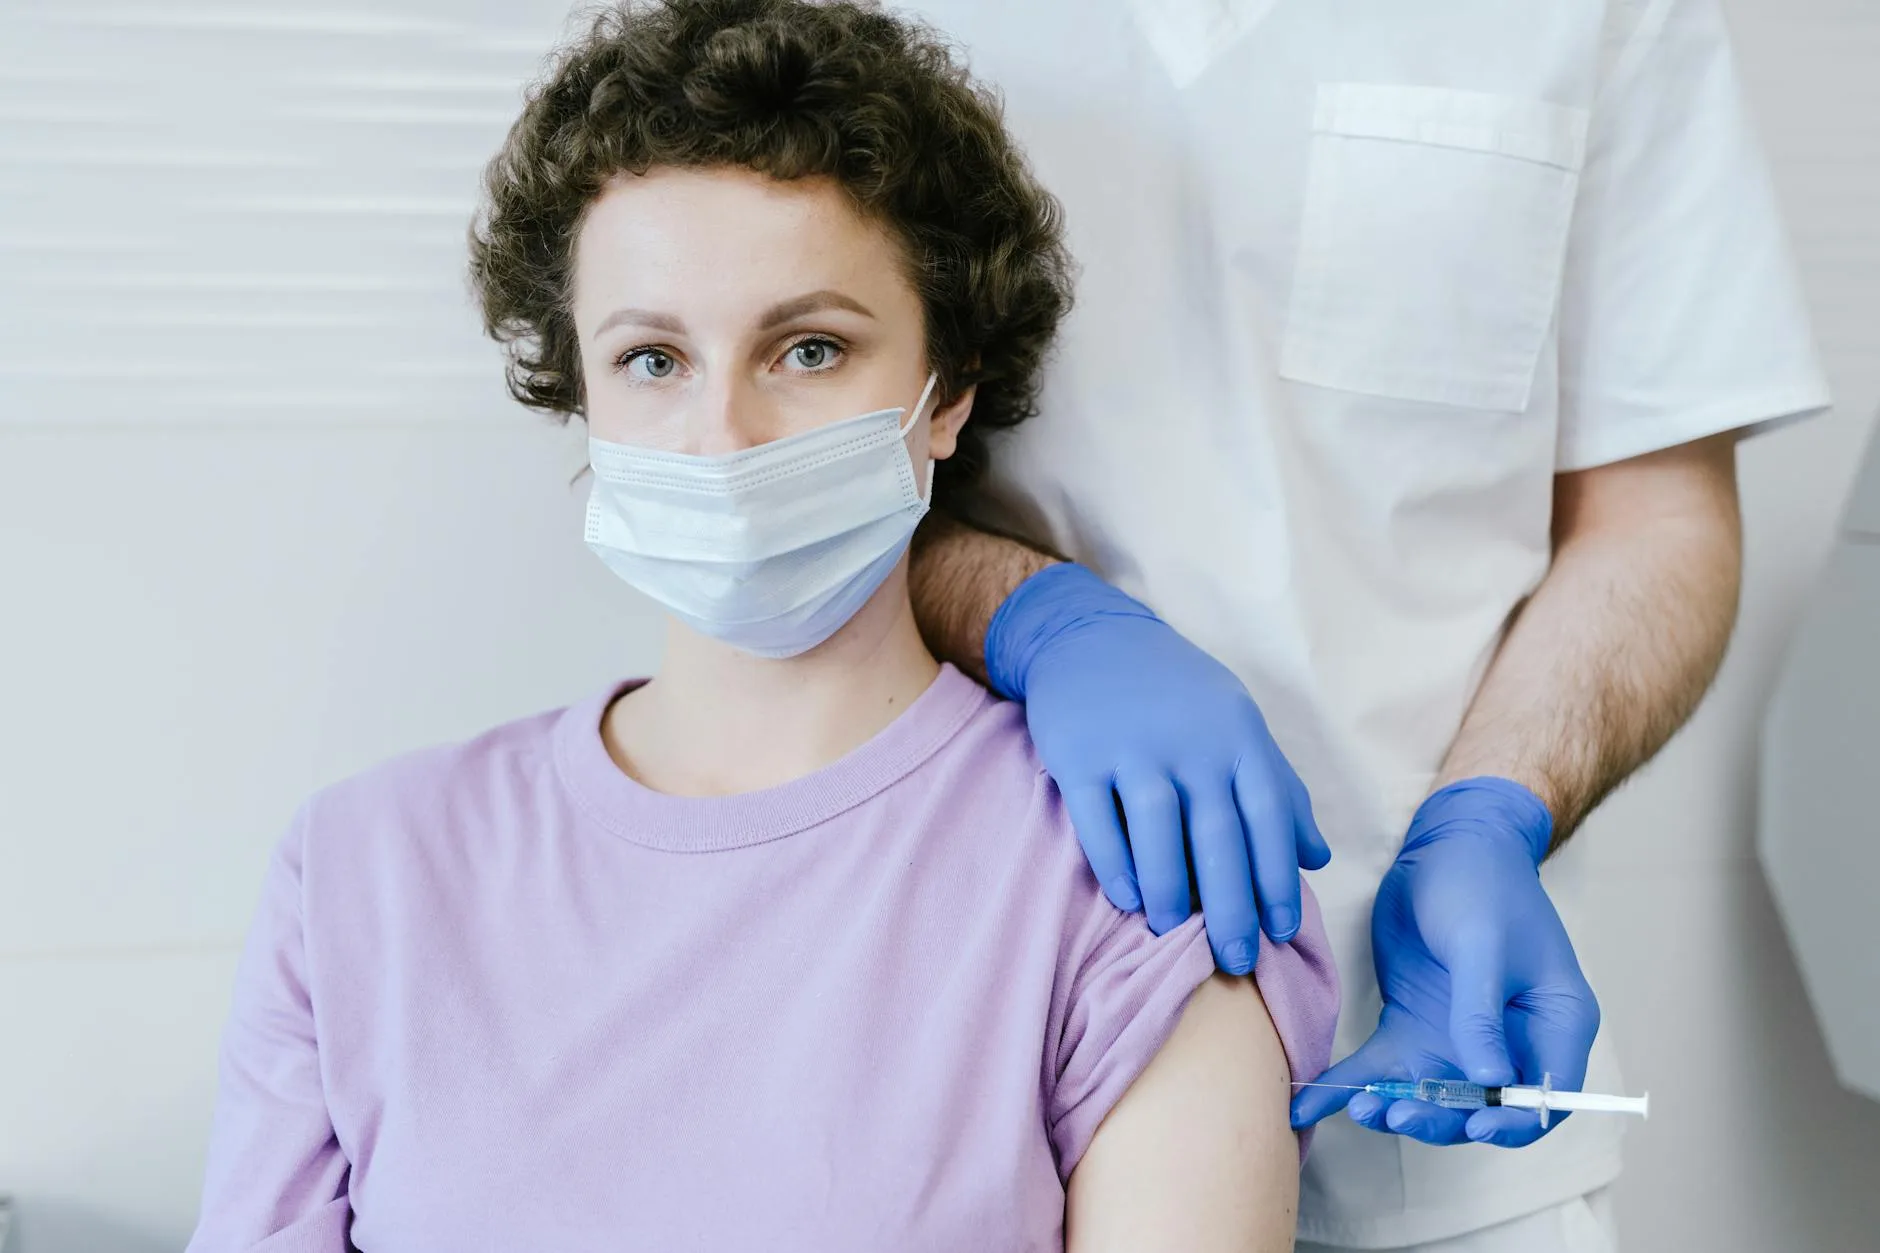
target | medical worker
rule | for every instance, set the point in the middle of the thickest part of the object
(1412, 345)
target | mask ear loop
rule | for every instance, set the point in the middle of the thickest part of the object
(926, 494)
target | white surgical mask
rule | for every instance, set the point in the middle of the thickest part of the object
(770, 549)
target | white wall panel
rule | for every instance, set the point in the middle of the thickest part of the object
(105, 1090)
(206, 622)
(249, 211)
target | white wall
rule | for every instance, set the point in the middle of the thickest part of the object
(204, 614)
(1701, 991)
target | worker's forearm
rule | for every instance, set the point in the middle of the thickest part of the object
(958, 577)
(1610, 655)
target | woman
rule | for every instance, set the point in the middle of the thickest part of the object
(792, 945)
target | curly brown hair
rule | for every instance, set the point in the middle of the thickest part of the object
(790, 89)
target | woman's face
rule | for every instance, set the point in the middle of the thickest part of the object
(719, 309)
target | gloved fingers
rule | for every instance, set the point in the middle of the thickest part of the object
(1092, 809)
(1375, 1059)
(1152, 815)
(1226, 883)
(1508, 1128)
(1432, 1124)
(1478, 1000)
(1551, 1032)
(1314, 852)
(1266, 813)
(1416, 1119)
(1386, 1055)
(1368, 1110)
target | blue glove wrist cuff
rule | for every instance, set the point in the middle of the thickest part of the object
(1518, 810)
(1054, 599)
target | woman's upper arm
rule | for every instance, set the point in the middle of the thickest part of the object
(276, 1176)
(1199, 1153)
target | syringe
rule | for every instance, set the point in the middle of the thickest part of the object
(1461, 1094)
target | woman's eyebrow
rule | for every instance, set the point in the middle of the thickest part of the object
(777, 314)
(814, 302)
(641, 317)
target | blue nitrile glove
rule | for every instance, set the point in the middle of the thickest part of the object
(1478, 976)
(1128, 716)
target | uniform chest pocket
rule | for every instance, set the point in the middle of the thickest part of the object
(1430, 252)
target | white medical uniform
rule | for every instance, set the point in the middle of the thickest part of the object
(1359, 278)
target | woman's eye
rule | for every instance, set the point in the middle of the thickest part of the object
(813, 354)
(649, 363)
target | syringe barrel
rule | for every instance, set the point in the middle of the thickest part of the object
(1452, 1093)
(1448, 1093)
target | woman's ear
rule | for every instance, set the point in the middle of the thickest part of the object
(943, 429)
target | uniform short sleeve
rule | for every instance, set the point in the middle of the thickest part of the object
(276, 1180)
(1681, 312)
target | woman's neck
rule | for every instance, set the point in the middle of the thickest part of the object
(715, 721)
